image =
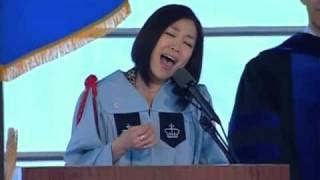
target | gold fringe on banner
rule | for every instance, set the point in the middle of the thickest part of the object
(57, 49)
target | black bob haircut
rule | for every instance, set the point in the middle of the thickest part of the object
(151, 31)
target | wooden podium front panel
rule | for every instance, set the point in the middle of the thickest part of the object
(220, 172)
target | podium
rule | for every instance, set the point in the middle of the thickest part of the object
(205, 172)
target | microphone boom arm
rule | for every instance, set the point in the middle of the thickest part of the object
(185, 81)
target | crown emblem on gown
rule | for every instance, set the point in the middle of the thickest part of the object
(172, 132)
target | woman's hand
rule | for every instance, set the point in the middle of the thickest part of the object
(136, 137)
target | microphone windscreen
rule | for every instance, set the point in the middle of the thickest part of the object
(183, 78)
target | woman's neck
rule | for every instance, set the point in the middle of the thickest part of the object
(148, 91)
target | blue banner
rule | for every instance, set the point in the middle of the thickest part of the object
(33, 32)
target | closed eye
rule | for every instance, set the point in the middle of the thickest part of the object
(188, 44)
(169, 34)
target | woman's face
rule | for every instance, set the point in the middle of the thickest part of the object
(173, 49)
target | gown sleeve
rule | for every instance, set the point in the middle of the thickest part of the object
(85, 146)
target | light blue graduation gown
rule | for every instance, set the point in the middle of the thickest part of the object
(178, 144)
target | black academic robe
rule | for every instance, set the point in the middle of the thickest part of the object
(276, 116)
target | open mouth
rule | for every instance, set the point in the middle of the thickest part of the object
(168, 60)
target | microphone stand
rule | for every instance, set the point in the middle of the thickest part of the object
(208, 125)
(210, 128)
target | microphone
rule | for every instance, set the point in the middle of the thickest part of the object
(185, 81)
